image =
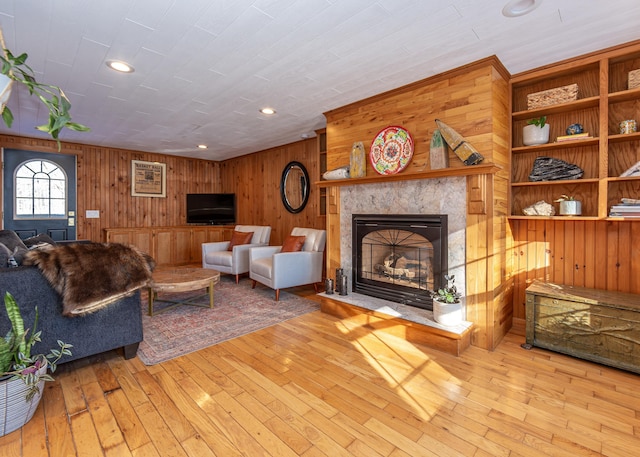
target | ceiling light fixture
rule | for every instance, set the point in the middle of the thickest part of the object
(120, 66)
(268, 111)
(202, 146)
(517, 8)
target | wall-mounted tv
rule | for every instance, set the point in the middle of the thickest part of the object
(211, 209)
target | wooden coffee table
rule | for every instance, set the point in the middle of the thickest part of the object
(173, 280)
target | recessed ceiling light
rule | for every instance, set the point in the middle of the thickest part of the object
(202, 146)
(120, 66)
(520, 7)
(268, 111)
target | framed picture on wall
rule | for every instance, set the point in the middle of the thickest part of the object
(148, 179)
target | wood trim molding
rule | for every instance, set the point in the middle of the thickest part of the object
(484, 169)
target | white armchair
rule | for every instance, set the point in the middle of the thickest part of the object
(280, 270)
(216, 256)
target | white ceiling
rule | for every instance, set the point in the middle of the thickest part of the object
(205, 67)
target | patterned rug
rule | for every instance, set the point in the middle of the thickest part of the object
(238, 310)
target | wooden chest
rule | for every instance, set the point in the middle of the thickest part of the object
(591, 324)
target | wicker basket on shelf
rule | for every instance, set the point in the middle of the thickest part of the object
(554, 96)
(634, 79)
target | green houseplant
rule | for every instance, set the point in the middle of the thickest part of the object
(14, 69)
(538, 121)
(22, 374)
(536, 131)
(449, 293)
(447, 308)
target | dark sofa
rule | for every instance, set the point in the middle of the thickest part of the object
(118, 325)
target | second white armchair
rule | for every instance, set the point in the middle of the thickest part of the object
(217, 256)
(279, 270)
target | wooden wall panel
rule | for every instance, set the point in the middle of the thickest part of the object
(499, 280)
(255, 179)
(464, 98)
(596, 254)
(104, 184)
(474, 100)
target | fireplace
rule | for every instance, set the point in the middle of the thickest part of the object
(399, 258)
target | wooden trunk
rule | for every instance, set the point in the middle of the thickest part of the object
(592, 324)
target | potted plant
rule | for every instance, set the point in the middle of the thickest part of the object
(447, 309)
(569, 206)
(22, 374)
(14, 69)
(536, 131)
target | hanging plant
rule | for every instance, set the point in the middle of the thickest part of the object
(16, 70)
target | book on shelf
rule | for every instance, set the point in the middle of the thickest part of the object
(626, 208)
(576, 136)
(629, 215)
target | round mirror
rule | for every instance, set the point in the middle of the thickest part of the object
(294, 187)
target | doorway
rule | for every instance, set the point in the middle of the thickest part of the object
(39, 194)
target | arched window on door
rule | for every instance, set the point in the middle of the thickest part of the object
(40, 191)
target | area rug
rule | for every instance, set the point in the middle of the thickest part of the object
(238, 310)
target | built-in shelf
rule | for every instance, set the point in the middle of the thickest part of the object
(558, 218)
(622, 219)
(621, 138)
(623, 178)
(557, 182)
(583, 103)
(624, 95)
(557, 146)
(605, 100)
(482, 169)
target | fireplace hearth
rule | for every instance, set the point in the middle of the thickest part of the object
(399, 258)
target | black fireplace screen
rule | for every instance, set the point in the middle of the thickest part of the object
(399, 257)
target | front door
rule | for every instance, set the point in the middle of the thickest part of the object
(39, 194)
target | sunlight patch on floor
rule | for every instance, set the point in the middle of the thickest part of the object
(403, 366)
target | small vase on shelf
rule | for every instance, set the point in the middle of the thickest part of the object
(569, 206)
(536, 131)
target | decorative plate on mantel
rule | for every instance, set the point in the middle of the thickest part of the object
(391, 150)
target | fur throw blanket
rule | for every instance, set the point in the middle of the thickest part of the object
(90, 276)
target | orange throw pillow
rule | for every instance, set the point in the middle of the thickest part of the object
(239, 238)
(293, 243)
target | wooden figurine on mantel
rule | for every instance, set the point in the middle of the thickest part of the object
(459, 145)
(358, 168)
(438, 154)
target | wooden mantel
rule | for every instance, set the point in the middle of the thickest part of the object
(483, 169)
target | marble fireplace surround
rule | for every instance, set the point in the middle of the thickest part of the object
(427, 196)
(446, 195)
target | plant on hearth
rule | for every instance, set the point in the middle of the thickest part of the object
(449, 293)
(16, 360)
(447, 306)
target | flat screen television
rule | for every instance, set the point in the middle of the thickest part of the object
(211, 209)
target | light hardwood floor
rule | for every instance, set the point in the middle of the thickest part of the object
(319, 386)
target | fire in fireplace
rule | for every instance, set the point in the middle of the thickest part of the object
(399, 258)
